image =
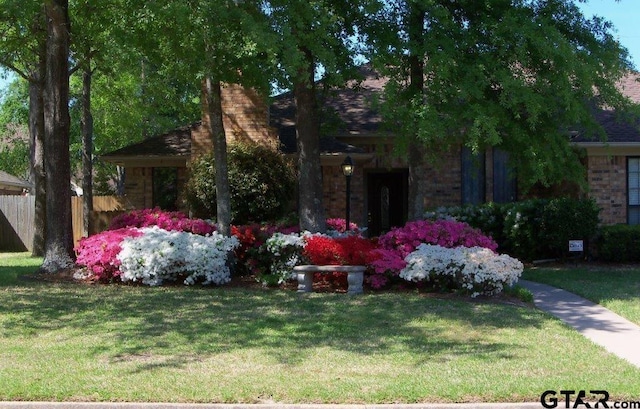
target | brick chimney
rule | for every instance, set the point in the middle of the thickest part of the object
(245, 118)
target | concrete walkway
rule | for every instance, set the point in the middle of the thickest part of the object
(616, 334)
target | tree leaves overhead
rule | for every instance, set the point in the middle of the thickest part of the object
(22, 27)
(516, 74)
(509, 73)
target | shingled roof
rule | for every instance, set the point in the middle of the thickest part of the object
(350, 112)
(175, 144)
(619, 128)
(9, 181)
(345, 111)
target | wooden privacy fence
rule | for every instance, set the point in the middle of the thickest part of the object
(16, 222)
(17, 219)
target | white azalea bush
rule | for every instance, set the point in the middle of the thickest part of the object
(285, 251)
(476, 270)
(159, 255)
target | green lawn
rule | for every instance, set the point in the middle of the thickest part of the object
(618, 289)
(125, 343)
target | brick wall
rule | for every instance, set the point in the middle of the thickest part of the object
(442, 181)
(245, 119)
(607, 177)
(139, 187)
(334, 188)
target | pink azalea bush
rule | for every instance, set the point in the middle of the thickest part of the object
(98, 252)
(340, 226)
(170, 221)
(396, 245)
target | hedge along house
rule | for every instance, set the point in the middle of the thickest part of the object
(157, 168)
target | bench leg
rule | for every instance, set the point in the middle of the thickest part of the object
(355, 282)
(305, 282)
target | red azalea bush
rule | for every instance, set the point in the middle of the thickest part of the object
(322, 250)
(346, 251)
(350, 250)
(251, 256)
(98, 252)
(395, 245)
(172, 221)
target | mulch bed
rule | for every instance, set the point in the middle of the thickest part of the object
(250, 282)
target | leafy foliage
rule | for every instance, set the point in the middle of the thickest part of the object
(516, 75)
(530, 229)
(14, 133)
(618, 243)
(262, 184)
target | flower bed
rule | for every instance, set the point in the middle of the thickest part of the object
(152, 247)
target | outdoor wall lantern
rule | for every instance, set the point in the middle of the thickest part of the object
(347, 171)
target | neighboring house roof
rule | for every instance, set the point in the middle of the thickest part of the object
(9, 181)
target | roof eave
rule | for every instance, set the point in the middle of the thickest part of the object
(143, 161)
(610, 148)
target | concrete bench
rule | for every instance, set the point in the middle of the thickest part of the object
(304, 273)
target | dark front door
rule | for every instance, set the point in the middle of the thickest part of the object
(387, 201)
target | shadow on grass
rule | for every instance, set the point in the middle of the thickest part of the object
(15, 265)
(175, 326)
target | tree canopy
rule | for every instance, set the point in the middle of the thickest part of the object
(517, 75)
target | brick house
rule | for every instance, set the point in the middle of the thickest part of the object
(379, 188)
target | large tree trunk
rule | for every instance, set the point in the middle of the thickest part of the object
(223, 195)
(417, 190)
(59, 239)
(311, 209)
(87, 151)
(36, 140)
(37, 175)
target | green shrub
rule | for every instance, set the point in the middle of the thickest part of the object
(523, 235)
(262, 184)
(565, 219)
(618, 243)
(531, 229)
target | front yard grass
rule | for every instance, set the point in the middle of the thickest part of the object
(615, 288)
(124, 343)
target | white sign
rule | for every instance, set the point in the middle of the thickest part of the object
(576, 245)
